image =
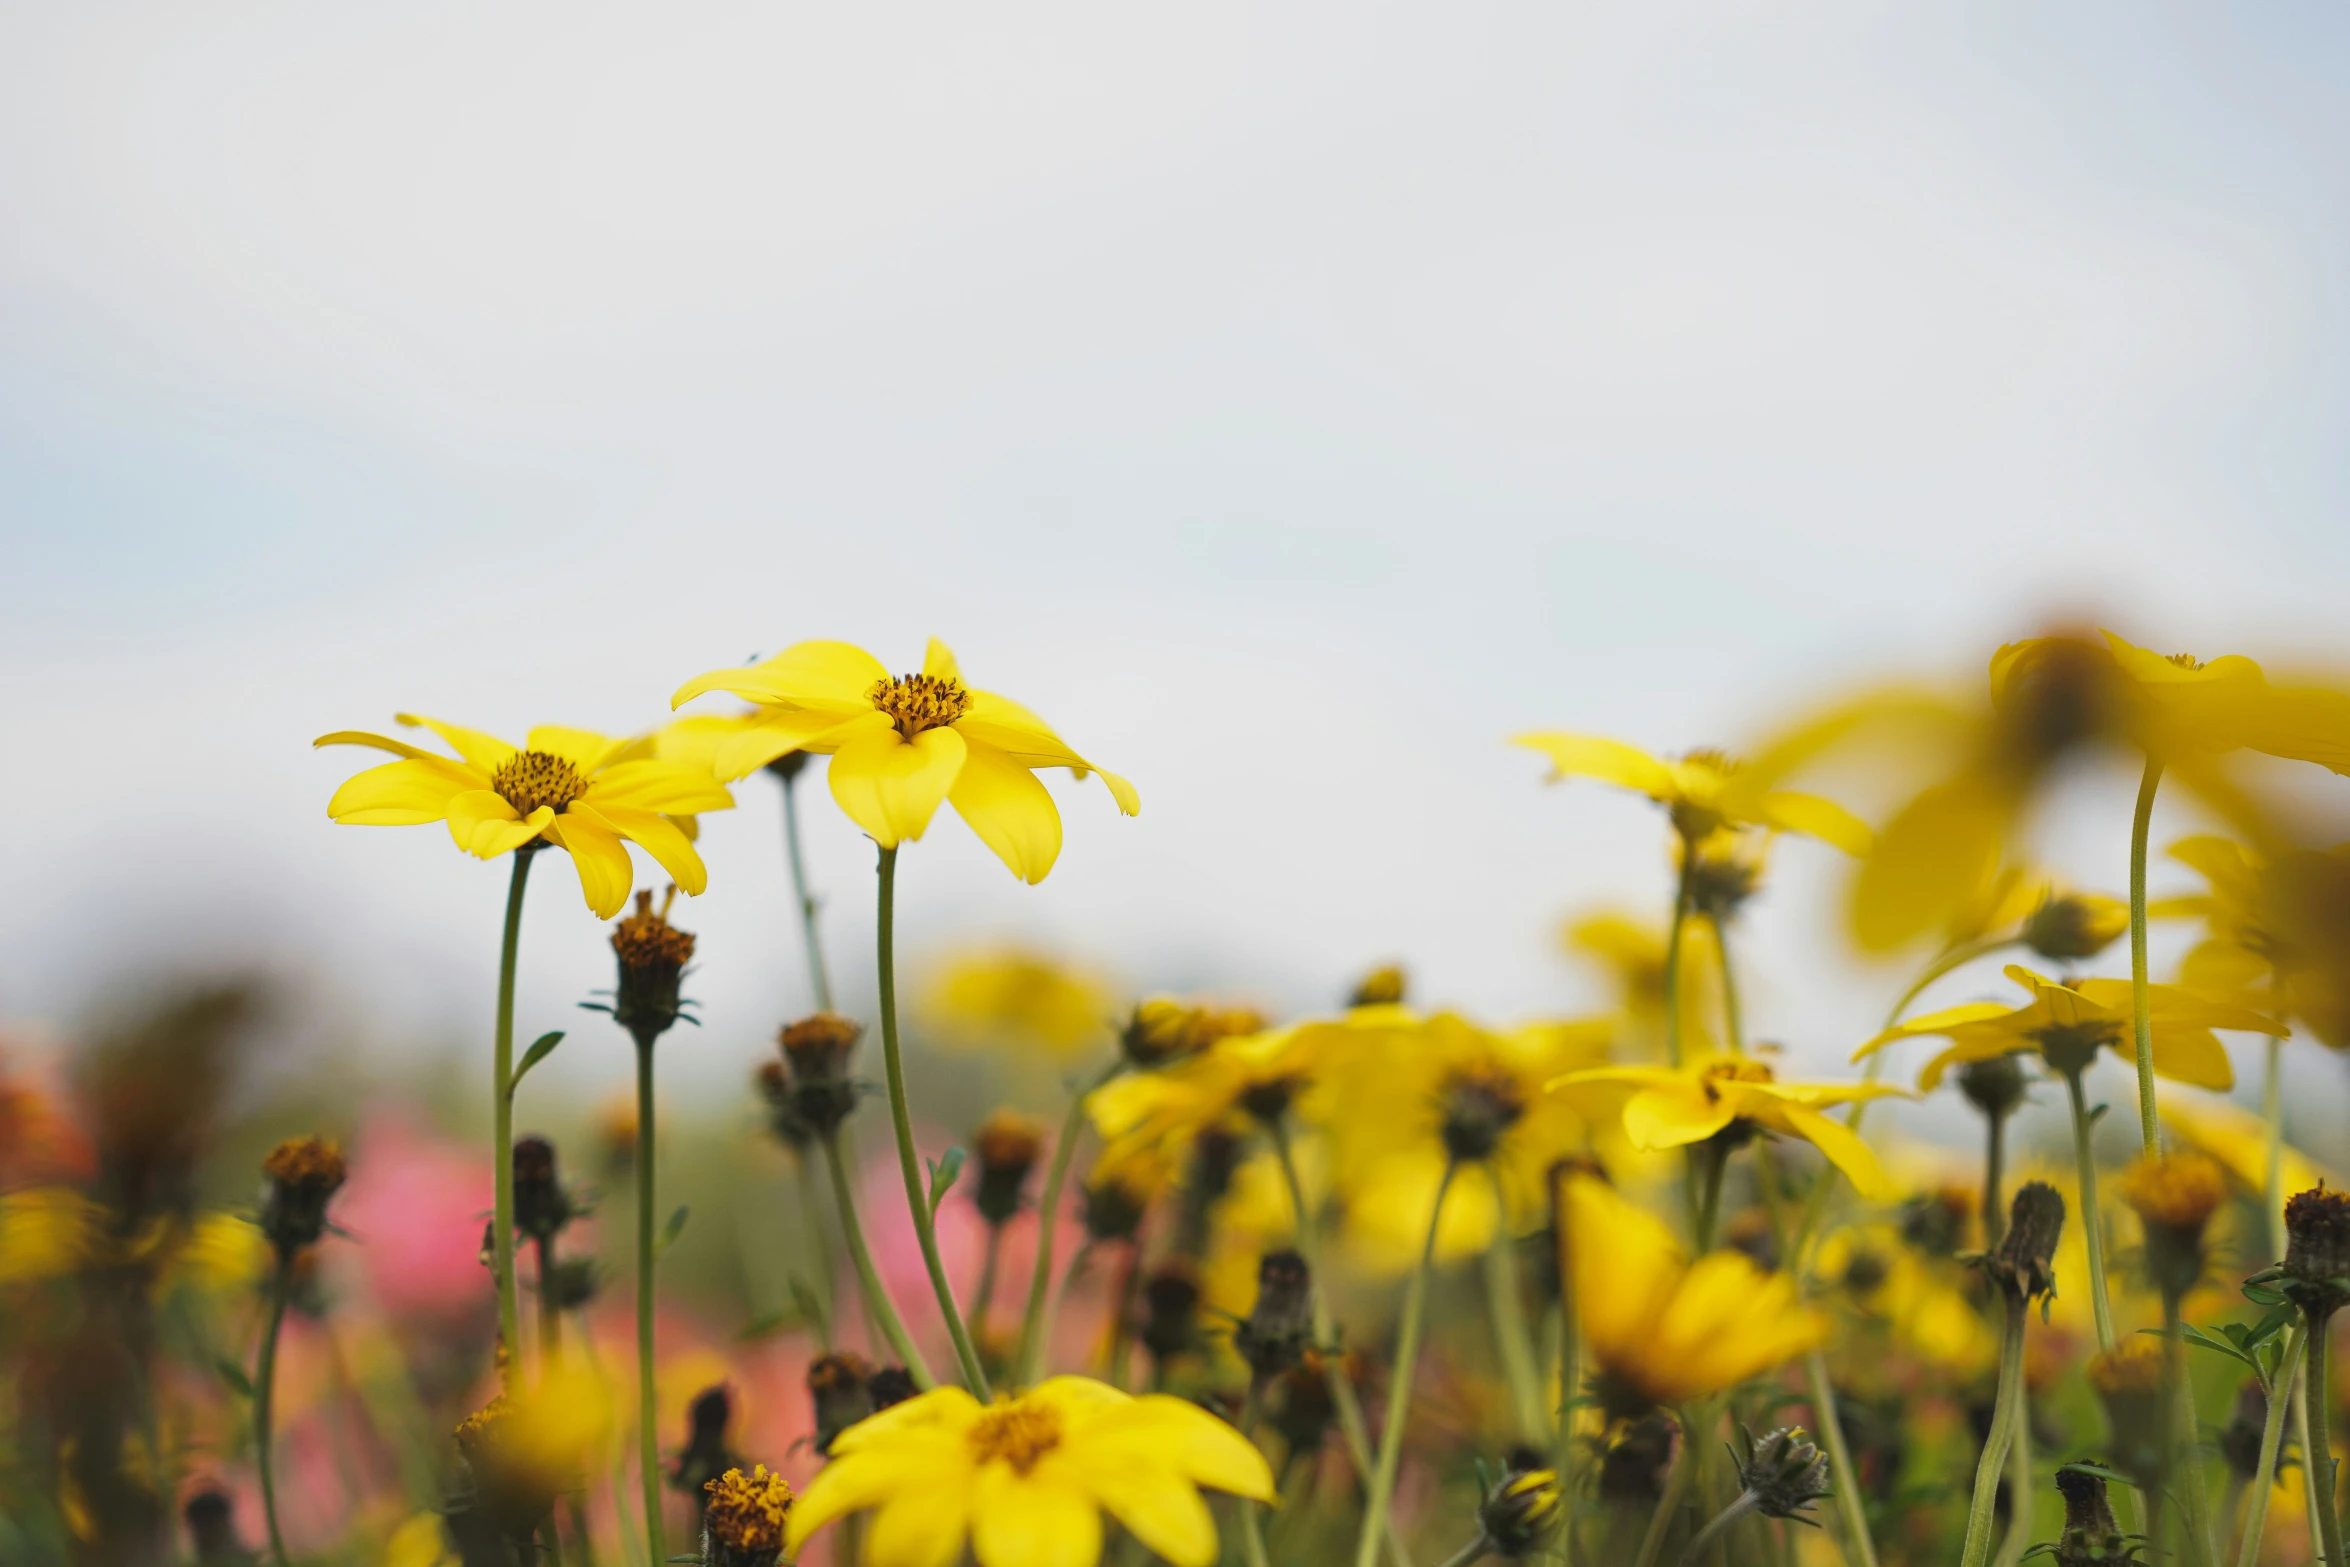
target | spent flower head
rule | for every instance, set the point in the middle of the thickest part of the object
(743, 1518)
(1783, 1470)
(303, 1173)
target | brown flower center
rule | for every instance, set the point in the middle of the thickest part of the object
(918, 702)
(530, 779)
(1020, 1433)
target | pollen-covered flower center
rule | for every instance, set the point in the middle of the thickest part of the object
(2183, 660)
(1742, 1070)
(530, 779)
(918, 702)
(1019, 1433)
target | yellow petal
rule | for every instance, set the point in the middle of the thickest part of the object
(1814, 817)
(605, 874)
(1013, 813)
(939, 663)
(942, 1410)
(1204, 1449)
(891, 786)
(933, 1464)
(401, 794)
(1673, 1116)
(1950, 1019)
(487, 752)
(1841, 1146)
(1039, 1519)
(661, 839)
(806, 674)
(921, 1526)
(582, 748)
(2188, 1055)
(1959, 1054)
(1158, 1507)
(475, 809)
(1609, 761)
(651, 785)
(2303, 725)
(379, 742)
(1928, 862)
(783, 729)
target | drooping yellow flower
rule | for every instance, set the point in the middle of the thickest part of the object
(1026, 1479)
(2067, 1024)
(1672, 1107)
(1662, 1330)
(902, 744)
(1704, 791)
(585, 793)
(1028, 1000)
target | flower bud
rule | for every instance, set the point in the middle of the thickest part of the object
(1006, 1148)
(2128, 1381)
(541, 1206)
(652, 956)
(1479, 1106)
(212, 1529)
(1302, 1409)
(819, 1050)
(1280, 1326)
(303, 1173)
(1995, 1087)
(705, 1455)
(2024, 1261)
(2317, 1251)
(743, 1518)
(2174, 1197)
(2076, 926)
(1170, 1318)
(1785, 1471)
(1384, 986)
(2091, 1534)
(1159, 1031)
(1113, 1210)
(572, 1282)
(837, 1384)
(1525, 1507)
(889, 1387)
(783, 1115)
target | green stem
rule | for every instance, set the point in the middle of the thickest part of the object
(819, 1250)
(2272, 1112)
(1673, 957)
(877, 1301)
(1660, 1522)
(984, 1296)
(2092, 1220)
(648, 1437)
(550, 1310)
(1505, 1303)
(1475, 1551)
(2320, 1454)
(1122, 1318)
(1252, 1523)
(1733, 1023)
(817, 979)
(1562, 1449)
(1721, 1524)
(502, 1132)
(902, 1121)
(1399, 1387)
(264, 1390)
(2185, 1464)
(1030, 1359)
(2272, 1438)
(1709, 1162)
(2142, 1020)
(1994, 1162)
(1353, 1430)
(1994, 1456)
(2019, 1481)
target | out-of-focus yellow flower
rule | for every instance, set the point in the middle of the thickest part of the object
(2308, 919)
(1672, 1107)
(1632, 953)
(1026, 1479)
(2181, 706)
(420, 1541)
(1662, 1330)
(46, 1232)
(583, 792)
(2068, 1024)
(2238, 1140)
(1023, 999)
(2235, 955)
(1233, 1079)
(1704, 791)
(1918, 1297)
(223, 1252)
(900, 745)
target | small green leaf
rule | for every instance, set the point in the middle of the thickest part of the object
(2098, 1114)
(2196, 1335)
(943, 1172)
(671, 1230)
(2109, 1476)
(540, 1048)
(234, 1375)
(769, 1323)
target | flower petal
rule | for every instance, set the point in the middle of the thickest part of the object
(938, 662)
(380, 742)
(782, 729)
(1043, 1518)
(1673, 1115)
(1814, 817)
(401, 794)
(941, 1410)
(1207, 1450)
(1609, 761)
(1013, 813)
(661, 839)
(1927, 863)
(487, 752)
(924, 1525)
(853, 1482)
(1158, 1506)
(605, 873)
(807, 674)
(1837, 1142)
(891, 786)
(673, 788)
(475, 809)
(582, 748)
(2189, 1055)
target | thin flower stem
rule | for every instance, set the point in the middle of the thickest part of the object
(1733, 1018)
(1660, 1522)
(2141, 1018)
(1033, 1335)
(1721, 1524)
(1252, 1523)
(2272, 1112)
(1673, 944)
(818, 981)
(2019, 1482)
(1505, 1304)
(1475, 1551)
(1121, 1360)
(648, 1438)
(1994, 1456)
(502, 1132)
(2185, 1462)
(877, 1301)
(2272, 1438)
(984, 1296)
(1994, 1161)
(1399, 1386)
(1707, 1165)
(2319, 1456)
(2092, 1220)
(264, 1391)
(1353, 1430)
(819, 1249)
(901, 1119)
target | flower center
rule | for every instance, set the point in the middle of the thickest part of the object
(2183, 660)
(530, 779)
(1742, 1070)
(918, 702)
(1019, 1433)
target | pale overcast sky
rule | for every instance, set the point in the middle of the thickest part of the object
(1289, 401)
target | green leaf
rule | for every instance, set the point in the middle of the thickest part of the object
(671, 1230)
(769, 1323)
(943, 1172)
(2098, 1114)
(540, 1048)
(2109, 1476)
(234, 1375)
(2196, 1335)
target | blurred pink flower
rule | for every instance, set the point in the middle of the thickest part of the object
(416, 1205)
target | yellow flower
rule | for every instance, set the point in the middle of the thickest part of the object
(2181, 706)
(1228, 1081)
(2236, 954)
(1632, 953)
(2238, 1140)
(1662, 1330)
(2067, 1024)
(1023, 998)
(47, 1232)
(900, 745)
(583, 792)
(1026, 1479)
(1672, 1107)
(1703, 790)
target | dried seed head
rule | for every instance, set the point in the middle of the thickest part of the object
(2317, 1250)
(1006, 1148)
(1170, 1316)
(838, 1384)
(652, 955)
(818, 1051)
(1785, 1470)
(743, 1518)
(1280, 1326)
(2091, 1533)
(303, 1172)
(890, 1386)
(2024, 1261)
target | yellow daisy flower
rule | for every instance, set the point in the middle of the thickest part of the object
(2238, 1139)
(1026, 1478)
(583, 792)
(1026, 999)
(2236, 954)
(1672, 1107)
(1660, 1329)
(902, 744)
(1703, 790)
(2067, 1024)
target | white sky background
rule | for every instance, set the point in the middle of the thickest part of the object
(1290, 402)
